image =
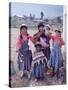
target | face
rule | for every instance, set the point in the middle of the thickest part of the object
(41, 29)
(57, 34)
(38, 48)
(23, 31)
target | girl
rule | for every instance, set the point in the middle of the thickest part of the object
(25, 55)
(38, 63)
(56, 59)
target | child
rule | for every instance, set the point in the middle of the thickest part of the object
(56, 59)
(38, 65)
(57, 36)
(25, 55)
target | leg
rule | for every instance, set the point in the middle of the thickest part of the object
(57, 73)
(28, 73)
(53, 72)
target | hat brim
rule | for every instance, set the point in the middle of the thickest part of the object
(23, 27)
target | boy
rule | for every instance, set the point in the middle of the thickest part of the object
(39, 62)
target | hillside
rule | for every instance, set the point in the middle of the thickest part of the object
(16, 21)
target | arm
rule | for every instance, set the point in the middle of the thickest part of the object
(52, 37)
(32, 39)
(61, 42)
(18, 44)
(43, 43)
(37, 35)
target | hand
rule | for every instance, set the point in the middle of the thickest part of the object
(39, 33)
(45, 45)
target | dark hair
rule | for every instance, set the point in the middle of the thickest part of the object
(58, 31)
(40, 24)
(21, 35)
(23, 27)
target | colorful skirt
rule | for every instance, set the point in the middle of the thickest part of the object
(39, 70)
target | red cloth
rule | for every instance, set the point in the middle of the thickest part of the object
(18, 43)
(32, 39)
(61, 41)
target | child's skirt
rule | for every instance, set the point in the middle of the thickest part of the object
(38, 70)
(56, 59)
(25, 60)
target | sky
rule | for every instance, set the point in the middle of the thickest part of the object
(35, 9)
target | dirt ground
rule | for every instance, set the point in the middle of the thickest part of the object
(16, 81)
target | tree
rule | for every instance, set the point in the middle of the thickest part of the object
(59, 19)
(31, 16)
(42, 14)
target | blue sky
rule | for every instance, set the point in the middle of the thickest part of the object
(35, 9)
